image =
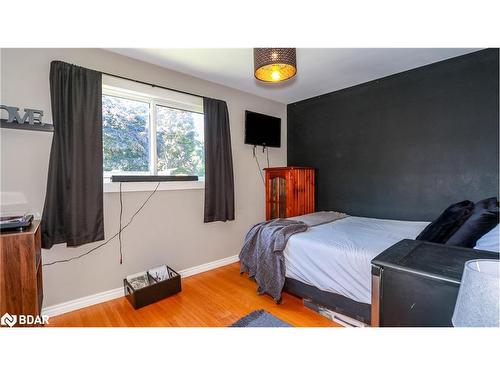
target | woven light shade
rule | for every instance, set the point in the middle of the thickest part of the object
(274, 64)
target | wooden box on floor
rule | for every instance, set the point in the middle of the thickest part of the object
(154, 292)
(21, 291)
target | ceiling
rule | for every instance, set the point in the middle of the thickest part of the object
(320, 70)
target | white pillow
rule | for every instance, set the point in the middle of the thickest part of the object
(490, 241)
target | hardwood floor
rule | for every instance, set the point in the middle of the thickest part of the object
(216, 298)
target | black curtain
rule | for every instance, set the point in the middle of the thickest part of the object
(219, 180)
(73, 210)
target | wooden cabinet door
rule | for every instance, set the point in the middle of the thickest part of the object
(289, 192)
(276, 194)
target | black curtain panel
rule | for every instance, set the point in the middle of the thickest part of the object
(219, 180)
(73, 210)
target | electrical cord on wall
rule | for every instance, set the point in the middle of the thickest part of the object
(120, 229)
(258, 165)
(112, 237)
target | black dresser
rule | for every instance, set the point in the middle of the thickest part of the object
(415, 283)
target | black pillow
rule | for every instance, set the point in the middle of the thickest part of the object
(484, 218)
(441, 229)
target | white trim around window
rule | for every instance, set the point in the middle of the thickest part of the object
(146, 93)
(153, 96)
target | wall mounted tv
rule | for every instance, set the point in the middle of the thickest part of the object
(262, 130)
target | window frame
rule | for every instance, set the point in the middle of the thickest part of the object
(167, 99)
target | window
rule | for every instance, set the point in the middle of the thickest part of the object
(179, 142)
(125, 137)
(145, 134)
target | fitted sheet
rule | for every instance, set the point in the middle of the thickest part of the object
(336, 257)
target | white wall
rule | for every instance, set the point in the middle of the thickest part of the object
(170, 228)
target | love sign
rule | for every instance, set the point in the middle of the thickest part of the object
(31, 119)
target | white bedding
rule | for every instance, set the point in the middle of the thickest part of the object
(336, 257)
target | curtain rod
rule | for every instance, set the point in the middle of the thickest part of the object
(142, 82)
(150, 84)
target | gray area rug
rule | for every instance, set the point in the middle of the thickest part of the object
(260, 318)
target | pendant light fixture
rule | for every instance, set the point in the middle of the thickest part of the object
(274, 64)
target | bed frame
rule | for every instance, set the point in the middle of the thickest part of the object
(335, 302)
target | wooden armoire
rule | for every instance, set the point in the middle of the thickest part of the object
(289, 191)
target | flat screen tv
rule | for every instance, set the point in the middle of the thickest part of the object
(262, 130)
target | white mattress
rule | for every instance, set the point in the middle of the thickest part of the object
(336, 257)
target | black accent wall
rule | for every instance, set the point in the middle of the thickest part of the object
(405, 146)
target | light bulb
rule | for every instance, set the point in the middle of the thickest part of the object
(275, 75)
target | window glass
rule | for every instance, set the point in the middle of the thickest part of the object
(179, 142)
(125, 136)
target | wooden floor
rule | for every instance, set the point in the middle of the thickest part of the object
(215, 298)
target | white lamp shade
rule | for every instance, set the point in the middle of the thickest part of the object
(479, 294)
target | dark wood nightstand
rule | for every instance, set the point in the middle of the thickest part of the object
(21, 291)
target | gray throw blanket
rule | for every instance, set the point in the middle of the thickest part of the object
(318, 218)
(262, 254)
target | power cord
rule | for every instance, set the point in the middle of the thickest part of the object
(258, 165)
(114, 236)
(120, 229)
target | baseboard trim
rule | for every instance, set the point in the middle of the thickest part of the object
(108, 295)
(80, 303)
(209, 266)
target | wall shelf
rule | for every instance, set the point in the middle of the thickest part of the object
(37, 127)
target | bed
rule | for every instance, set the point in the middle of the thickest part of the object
(325, 257)
(330, 263)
